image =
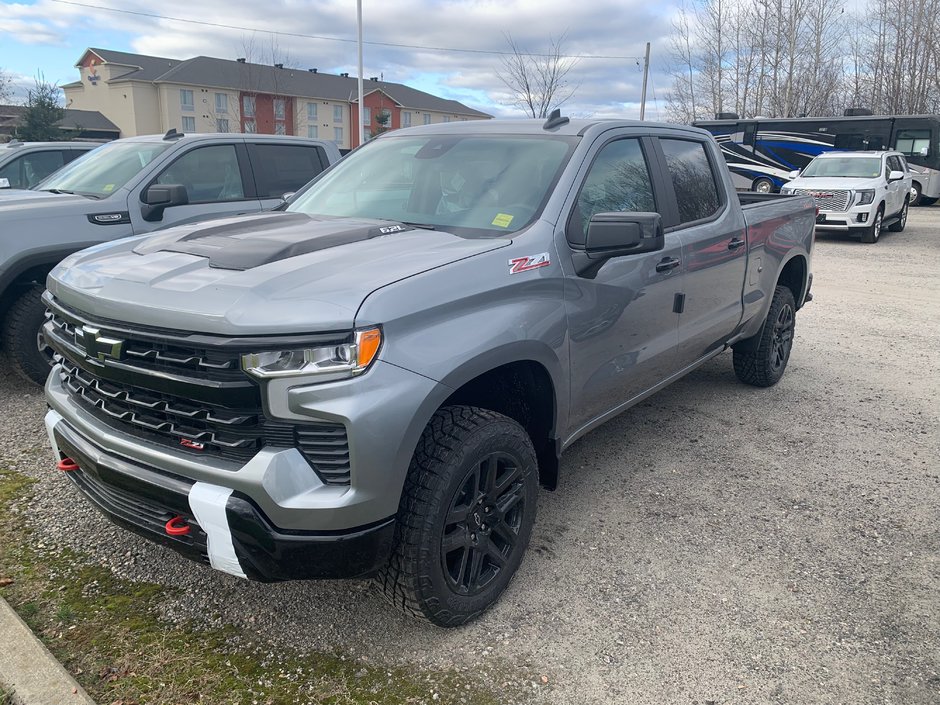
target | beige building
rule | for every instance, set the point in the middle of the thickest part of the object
(149, 94)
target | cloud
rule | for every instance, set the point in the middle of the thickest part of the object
(605, 87)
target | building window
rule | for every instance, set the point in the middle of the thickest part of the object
(338, 113)
(447, 118)
(427, 118)
(312, 132)
(280, 109)
(189, 123)
(221, 102)
(338, 135)
(186, 99)
(311, 111)
(250, 126)
(248, 106)
(279, 128)
(367, 116)
(406, 119)
(221, 124)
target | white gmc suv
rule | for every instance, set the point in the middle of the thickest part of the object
(857, 192)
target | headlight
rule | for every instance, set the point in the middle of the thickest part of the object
(865, 197)
(786, 190)
(329, 362)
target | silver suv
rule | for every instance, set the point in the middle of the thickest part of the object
(25, 164)
(857, 192)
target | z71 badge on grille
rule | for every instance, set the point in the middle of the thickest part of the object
(524, 264)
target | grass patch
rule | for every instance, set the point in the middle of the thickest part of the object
(107, 633)
(6, 696)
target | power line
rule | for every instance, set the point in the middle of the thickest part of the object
(332, 39)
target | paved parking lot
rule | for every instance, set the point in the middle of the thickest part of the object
(716, 544)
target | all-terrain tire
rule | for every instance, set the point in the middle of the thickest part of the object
(871, 234)
(764, 364)
(898, 225)
(21, 331)
(438, 531)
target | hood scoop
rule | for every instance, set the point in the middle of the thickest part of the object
(246, 243)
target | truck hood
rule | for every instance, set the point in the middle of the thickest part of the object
(19, 205)
(257, 274)
(829, 183)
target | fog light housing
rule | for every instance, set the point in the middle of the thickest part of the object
(863, 217)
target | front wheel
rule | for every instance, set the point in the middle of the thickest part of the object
(871, 234)
(762, 185)
(762, 362)
(465, 516)
(23, 342)
(916, 198)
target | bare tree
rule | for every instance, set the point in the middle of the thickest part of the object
(538, 83)
(6, 86)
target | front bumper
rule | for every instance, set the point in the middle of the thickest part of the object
(857, 217)
(228, 531)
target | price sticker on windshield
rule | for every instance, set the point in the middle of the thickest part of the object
(502, 220)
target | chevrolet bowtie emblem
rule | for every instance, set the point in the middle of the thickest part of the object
(98, 345)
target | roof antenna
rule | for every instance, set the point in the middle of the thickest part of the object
(172, 134)
(555, 120)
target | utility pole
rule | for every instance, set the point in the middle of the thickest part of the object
(362, 110)
(646, 75)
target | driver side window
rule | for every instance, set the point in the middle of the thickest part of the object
(210, 174)
(617, 181)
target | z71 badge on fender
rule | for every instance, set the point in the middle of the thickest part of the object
(524, 264)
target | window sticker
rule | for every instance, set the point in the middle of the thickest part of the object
(502, 220)
(108, 188)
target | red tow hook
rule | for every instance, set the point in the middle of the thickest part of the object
(66, 465)
(177, 526)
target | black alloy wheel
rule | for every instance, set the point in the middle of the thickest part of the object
(483, 523)
(784, 326)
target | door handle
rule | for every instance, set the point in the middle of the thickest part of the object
(667, 264)
(736, 244)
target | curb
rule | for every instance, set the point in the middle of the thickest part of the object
(27, 667)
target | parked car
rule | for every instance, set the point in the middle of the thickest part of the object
(373, 379)
(860, 193)
(129, 187)
(25, 164)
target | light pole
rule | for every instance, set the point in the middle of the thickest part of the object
(362, 123)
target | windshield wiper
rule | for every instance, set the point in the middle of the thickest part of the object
(95, 196)
(423, 226)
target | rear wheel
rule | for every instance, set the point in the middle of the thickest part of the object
(915, 194)
(22, 336)
(762, 361)
(465, 517)
(871, 234)
(899, 224)
(762, 185)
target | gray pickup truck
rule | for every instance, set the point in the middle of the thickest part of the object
(128, 187)
(374, 380)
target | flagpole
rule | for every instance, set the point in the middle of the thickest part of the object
(362, 124)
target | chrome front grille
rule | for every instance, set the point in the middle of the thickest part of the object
(192, 397)
(827, 199)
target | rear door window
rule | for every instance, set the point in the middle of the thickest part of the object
(31, 168)
(210, 174)
(284, 168)
(692, 178)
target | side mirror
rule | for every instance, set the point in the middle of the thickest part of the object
(793, 174)
(158, 197)
(924, 151)
(286, 196)
(4, 183)
(895, 176)
(618, 235)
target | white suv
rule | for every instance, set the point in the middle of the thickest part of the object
(857, 192)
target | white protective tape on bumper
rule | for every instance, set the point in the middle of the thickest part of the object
(208, 505)
(52, 418)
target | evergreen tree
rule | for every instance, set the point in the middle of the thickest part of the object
(42, 113)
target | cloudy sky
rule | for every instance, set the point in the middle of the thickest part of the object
(49, 36)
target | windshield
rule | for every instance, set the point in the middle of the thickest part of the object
(850, 167)
(469, 185)
(104, 170)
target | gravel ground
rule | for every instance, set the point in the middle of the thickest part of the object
(715, 544)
